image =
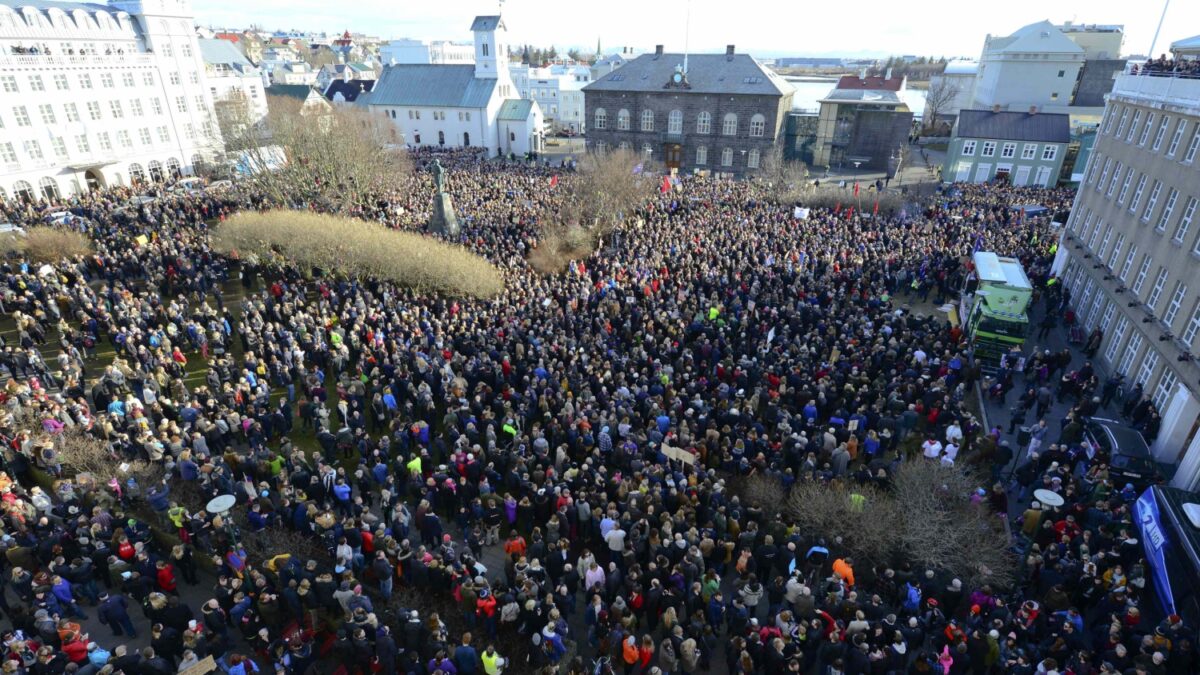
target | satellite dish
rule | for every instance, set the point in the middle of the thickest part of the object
(221, 504)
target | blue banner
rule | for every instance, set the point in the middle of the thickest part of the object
(1154, 539)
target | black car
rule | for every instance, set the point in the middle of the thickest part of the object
(1129, 458)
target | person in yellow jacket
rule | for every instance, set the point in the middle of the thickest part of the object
(493, 663)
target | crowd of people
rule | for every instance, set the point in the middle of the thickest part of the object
(1168, 67)
(545, 481)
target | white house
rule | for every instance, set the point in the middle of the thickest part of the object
(558, 90)
(408, 51)
(959, 78)
(1037, 66)
(93, 95)
(458, 105)
(231, 77)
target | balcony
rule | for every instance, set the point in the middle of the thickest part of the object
(9, 61)
(1158, 88)
(672, 137)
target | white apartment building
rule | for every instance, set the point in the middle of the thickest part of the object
(232, 78)
(558, 91)
(408, 51)
(93, 95)
(1037, 66)
(1130, 251)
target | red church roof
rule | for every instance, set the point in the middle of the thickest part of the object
(871, 83)
(232, 37)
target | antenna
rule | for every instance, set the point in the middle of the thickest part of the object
(687, 30)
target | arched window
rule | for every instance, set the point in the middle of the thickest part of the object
(702, 155)
(136, 173)
(752, 159)
(758, 126)
(173, 169)
(441, 138)
(601, 121)
(624, 145)
(727, 157)
(729, 126)
(49, 188)
(647, 120)
(466, 139)
(512, 136)
(197, 164)
(675, 122)
(23, 191)
(156, 171)
(623, 120)
(704, 123)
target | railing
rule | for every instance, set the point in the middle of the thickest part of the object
(46, 60)
(672, 137)
(1182, 69)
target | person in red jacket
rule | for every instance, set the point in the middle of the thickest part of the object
(166, 577)
(485, 609)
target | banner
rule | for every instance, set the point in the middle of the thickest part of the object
(800, 213)
(1154, 540)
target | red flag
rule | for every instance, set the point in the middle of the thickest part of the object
(849, 211)
(837, 209)
(876, 211)
(554, 181)
(855, 188)
(666, 185)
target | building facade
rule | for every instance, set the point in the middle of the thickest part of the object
(1131, 248)
(721, 112)
(1021, 148)
(408, 51)
(958, 79)
(94, 95)
(232, 79)
(863, 123)
(1035, 66)
(558, 91)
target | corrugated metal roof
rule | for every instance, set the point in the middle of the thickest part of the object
(486, 22)
(216, 52)
(868, 96)
(434, 85)
(350, 91)
(1014, 126)
(707, 74)
(515, 110)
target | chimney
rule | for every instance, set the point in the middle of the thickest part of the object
(658, 51)
(728, 52)
(1033, 110)
(996, 107)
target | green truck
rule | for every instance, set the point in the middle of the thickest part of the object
(995, 303)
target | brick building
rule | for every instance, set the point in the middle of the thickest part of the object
(717, 112)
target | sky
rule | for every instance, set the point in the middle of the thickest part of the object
(764, 28)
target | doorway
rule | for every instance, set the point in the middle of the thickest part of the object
(94, 179)
(672, 155)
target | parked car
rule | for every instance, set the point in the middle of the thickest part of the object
(1128, 454)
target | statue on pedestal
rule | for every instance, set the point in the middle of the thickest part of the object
(444, 221)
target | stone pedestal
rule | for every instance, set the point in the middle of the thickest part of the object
(444, 221)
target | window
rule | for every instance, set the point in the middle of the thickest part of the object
(1008, 150)
(1193, 326)
(647, 150)
(47, 112)
(601, 119)
(1152, 201)
(1185, 222)
(1165, 388)
(968, 149)
(1029, 151)
(127, 79)
(702, 154)
(181, 103)
(175, 78)
(82, 145)
(105, 140)
(989, 149)
(156, 105)
(164, 135)
(1049, 153)
(729, 125)
(758, 126)
(1141, 275)
(7, 153)
(727, 157)
(647, 120)
(441, 138)
(1104, 244)
(1157, 289)
(1137, 194)
(1118, 336)
(10, 83)
(1176, 303)
(1109, 117)
(148, 78)
(1128, 263)
(36, 84)
(1149, 363)
(623, 120)
(166, 49)
(1160, 134)
(72, 112)
(85, 81)
(1125, 186)
(1192, 146)
(601, 146)
(60, 147)
(124, 139)
(186, 49)
(752, 159)
(93, 110)
(1131, 352)
(1116, 251)
(60, 82)
(135, 107)
(144, 136)
(485, 48)
(1054, 96)
(1121, 127)
(194, 77)
(106, 80)
(22, 116)
(1115, 179)
(1137, 116)
(189, 131)
(675, 122)
(1146, 130)
(1062, 73)
(33, 149)
(1095, 234)
(704, 125)
(1176, 137)
(117, 111)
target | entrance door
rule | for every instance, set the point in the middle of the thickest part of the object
(964, 172)
(95, 180)
(672, 155)
(983, 172)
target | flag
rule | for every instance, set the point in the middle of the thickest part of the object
(855, 188)
(837, 209)
(554, 181)
(849, 211)
(876, 211)
(666, 185)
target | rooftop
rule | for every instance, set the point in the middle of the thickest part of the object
(871, 83)
(1036, 38)
(350, 91)
(421, 84)
(1014, 126)
(487, 22)
(515, 110)
(864, 96)
(707, 74)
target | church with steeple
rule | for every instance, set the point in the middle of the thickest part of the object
(467, 105)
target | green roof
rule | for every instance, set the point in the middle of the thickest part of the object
(515, 110)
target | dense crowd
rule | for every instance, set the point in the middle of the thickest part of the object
(1168, 67)
(543, 481)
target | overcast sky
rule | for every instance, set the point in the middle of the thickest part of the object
(762, 27)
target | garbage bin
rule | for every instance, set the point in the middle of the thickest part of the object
(1024, 435)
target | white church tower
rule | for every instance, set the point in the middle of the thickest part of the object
(491, 46)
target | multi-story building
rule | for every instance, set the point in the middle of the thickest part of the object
(1130, 251)
(408, 51)
(1023, 148)
(232, 79)
(558, 91)
(955, 86)
(719, 112)
(864, 123)
(93, 95)
(1035, 66)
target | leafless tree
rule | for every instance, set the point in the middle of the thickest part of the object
(938, 99)
(786, 180)
(607, 189)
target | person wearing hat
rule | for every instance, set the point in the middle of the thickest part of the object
(113, 612)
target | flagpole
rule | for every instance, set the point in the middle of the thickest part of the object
(1162, 17)
(687, 33)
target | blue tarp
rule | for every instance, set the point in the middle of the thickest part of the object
(1157, 543)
